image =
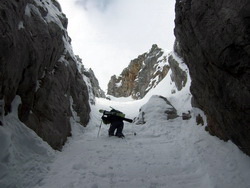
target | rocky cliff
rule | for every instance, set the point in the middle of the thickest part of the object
(178, 75)
(37, 63)
(214, 40)
(142, 74)
(91, 81)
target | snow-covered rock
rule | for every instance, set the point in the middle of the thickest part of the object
(38, 64)
(179, 74)
(24, 157)
(91, 81)
(141, 75)
(157, 107)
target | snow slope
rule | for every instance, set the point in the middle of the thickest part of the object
(164, 153)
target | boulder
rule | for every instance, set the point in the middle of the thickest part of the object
(156, 107)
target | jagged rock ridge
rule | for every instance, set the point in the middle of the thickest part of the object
(91, 81)
(37, 63)
(214, 39)
(142, 74)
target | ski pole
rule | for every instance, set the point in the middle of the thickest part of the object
(99, 129)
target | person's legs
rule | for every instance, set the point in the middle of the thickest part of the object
(119, 131)
(112, 130)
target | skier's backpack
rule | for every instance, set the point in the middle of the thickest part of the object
(117, 113)
(105, 120)
(112, 112)
(107, 114)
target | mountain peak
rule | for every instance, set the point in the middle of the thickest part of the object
(142, 74)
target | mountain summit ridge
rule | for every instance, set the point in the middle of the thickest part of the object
(142, 74)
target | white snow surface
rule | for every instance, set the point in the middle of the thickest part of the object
(163, 154)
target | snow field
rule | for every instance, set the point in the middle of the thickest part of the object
(164, 153)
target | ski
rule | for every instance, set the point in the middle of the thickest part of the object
(114, 112)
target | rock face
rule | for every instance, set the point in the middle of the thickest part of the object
(91, 81)
(214, 40)
(37, 63)
(178, 76)
(142, 74)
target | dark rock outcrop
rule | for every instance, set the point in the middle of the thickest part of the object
(142, 74)
(1, 112)
(214, 38)
(97, 91)
(37, 63)
(91, 81)
(178, 76)
(92, 84)
(199, 120)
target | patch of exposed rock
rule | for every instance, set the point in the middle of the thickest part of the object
(142, 74)
(214, 40)
(178, 75)
(37, 63)
(91, 81)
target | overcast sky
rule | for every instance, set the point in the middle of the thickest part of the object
(107, 34)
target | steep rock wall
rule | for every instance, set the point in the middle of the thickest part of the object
(214, 40)
(37, 63)
(178, 76)
(91, 81)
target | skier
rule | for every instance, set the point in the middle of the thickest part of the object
(115, 118)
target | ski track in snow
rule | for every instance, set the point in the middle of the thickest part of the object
(169, 154)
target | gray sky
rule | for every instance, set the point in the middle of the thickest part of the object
(107, 34)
